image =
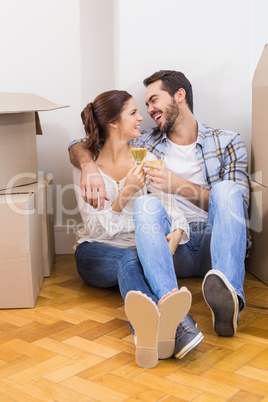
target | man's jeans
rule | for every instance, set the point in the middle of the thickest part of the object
(149, 268)
(221, 242)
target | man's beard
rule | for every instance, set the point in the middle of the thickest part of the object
(172, 112)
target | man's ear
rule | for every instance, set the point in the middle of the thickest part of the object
(180, 95)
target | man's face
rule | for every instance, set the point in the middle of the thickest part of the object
(161, 106)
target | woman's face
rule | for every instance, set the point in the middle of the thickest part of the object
(130, 119)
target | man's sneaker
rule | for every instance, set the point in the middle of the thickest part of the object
(187, 337)
(222, 300)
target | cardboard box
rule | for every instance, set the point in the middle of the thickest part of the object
(48, 225)
(45, 210)
(21, 250)
(259, 137)
(19, 124)
(257, 263)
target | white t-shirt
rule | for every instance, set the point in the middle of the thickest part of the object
(182, 160)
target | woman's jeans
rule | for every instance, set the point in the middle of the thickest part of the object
(149, 268)
(221, 242)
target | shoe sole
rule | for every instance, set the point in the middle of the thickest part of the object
(222, 300)
(190, 346)
(172, 310)
(143, 315)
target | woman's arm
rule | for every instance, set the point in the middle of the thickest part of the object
(174, 239)
(135, 180)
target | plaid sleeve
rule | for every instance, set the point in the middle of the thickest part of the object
(76, 142)
(235, 165)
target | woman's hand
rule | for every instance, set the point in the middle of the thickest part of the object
(135, 179)
(173, 240)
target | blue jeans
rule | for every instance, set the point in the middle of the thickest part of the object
(221, 242)
(149, 268)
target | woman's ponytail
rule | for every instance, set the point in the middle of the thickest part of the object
(91, 129)
(96, 116)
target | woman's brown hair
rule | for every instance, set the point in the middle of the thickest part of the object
(106, 108)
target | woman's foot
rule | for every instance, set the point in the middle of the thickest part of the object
(169, 293)
(173, 307)
(144, 317)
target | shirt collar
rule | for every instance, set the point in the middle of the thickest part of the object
(201, 133)
(156, 133)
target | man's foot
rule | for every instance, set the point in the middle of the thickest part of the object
(172, 308)
(187, 337)
(222, 300)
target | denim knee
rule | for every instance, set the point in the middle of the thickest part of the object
(224, 192)
(128, 255)
(146, 209)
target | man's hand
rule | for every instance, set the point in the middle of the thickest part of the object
(169, 182)
(173, 240)
(162, 178)
(92, 185)
(91, 180)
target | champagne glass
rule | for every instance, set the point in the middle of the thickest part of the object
(152, 158)
(138, 152)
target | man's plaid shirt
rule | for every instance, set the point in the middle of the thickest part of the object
(222, 154)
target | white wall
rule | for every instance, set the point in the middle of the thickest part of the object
(40, 53)
(68, 51)
(208, 40)
(61, 50)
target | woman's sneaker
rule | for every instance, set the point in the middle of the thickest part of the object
(187, 337)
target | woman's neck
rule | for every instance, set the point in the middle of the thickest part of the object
(114, 150)
(115, 159)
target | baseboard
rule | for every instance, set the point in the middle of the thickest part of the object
(64, 240)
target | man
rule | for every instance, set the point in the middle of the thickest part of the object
(206, 170)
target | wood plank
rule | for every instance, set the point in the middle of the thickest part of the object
(76, 344)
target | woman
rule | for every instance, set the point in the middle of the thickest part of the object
(129, 242)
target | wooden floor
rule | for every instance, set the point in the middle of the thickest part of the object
(76, 345)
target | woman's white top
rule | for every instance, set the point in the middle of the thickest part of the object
(117, 229)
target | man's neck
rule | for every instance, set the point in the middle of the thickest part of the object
(184, 131)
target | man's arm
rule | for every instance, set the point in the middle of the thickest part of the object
(235, 166)
(91, 181)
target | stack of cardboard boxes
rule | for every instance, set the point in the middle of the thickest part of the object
(26, 205)
(257, 263)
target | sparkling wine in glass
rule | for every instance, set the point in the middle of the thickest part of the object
(152, 158)
(138, 154)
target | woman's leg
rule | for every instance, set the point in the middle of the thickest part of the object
(152, 224)
(102, 265)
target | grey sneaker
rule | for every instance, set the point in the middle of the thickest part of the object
(222, 300)
(187, 337)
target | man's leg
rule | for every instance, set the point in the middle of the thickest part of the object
(223, 285)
